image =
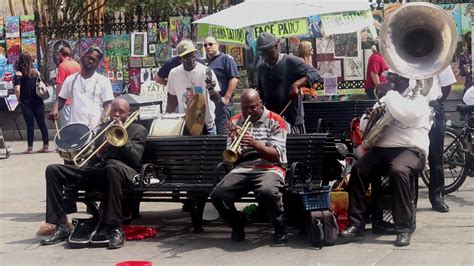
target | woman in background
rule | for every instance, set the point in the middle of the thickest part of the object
(32, 106)
(305, 52)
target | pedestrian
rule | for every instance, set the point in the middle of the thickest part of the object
(305, 52)
(375, 67)
(67, 67)
(465, 63)
(189, 79)
(91, 93)
(32, 106)
(225, 68)
(280, 77)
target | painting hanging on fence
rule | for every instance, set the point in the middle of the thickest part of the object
(163, 31)
(86, 42)
(28, 45)
(117, 45)
(139, 44)
(135, 62)
(346, 45)
(324, 45)
(27, 26)
(53, 54)
(353, 68)
(152, 32)
(12, 26)
(135, 83)
(330, 68)
(13, 49)
(2, 27)
(180, 28)
(315, 26)
(163, 52)
(3, 48)
(237, 53)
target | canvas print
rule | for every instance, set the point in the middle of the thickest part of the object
(3, 48)
(86, 42)
(152, 48)
(2, 27)
(179, 29)
(28, 45)
(135, 62)
(353, 68)
(145, 75)
(12, 26)
(117, 45)
(139, 44)
(324, 45)
(163, 32)
(27, 26)
(152, 32)
(346, 45)
(117, 87)
(53, 54)
(135, 83)
(330, 85)
(13, 49)
(315, 26)
(237, 53)
(112, 64)
(163, 52)
(329, 68)
(148, 61)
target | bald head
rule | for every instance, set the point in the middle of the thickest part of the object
(251, 104)
(211, 46)
(65, 51)
(120, 109)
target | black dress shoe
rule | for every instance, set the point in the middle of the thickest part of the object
(238, 234)
(352, 231)
(116, 238)
(280, 238)
(60, 234)
(403, 239)
(441, 207)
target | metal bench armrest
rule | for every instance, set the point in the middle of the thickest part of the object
(227, 167)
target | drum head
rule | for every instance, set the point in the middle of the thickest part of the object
(71, 137)
(167, 127)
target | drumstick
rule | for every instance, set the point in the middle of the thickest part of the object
(57, 129)
(286, 107)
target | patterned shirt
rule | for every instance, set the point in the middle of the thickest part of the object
(271, 129)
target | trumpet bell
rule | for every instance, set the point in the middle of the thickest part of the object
(117, 136)
(230, 156)
(419, 40)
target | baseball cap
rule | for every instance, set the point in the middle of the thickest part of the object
(185, 47)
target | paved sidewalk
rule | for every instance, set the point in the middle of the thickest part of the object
(440, 239)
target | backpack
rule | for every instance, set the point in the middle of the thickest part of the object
(323, 228)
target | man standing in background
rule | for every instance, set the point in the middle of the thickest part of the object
(66, 68)
(227, 75)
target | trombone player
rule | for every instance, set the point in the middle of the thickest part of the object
(257, 146)
(113, 170)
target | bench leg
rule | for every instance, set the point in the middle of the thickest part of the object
(196, 211)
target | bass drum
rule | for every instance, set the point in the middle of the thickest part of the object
(72, 138)
(168, 125)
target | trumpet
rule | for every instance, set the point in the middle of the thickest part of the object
(115, 135)
(231, 154)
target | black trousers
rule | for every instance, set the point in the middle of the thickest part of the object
(401, 164)
(110, 179)
(268, 191)
(32, 112)
(435, 158)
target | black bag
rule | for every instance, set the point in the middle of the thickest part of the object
(323, 228)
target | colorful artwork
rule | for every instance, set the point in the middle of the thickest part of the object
(113, 64)
(53, 53)
(315, 26)
(27, 26)
(135, 62)
(346, 45)
(163, 31)
(237, 53)
(117, 45)
(13, 49)
(12, 25)
(3, 48)
(87, 42)
(2, 26)
(353, 68)
(180, 28)
(117, 87)
(139, 44)
(329, 68)
(135, 83)
(163, 52)
(152, 32)
(330, 85)
(28, 45)
(152, 48)
(145, 75)
(325, 45)
(466, 18)
(455, 11)
(148, 61)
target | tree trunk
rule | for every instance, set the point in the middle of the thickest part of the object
(12, 7)
(25, 8)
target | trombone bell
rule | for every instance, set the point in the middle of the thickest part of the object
(117, 136)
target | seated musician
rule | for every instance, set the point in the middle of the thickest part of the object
(259, 168)
(112, 171)
(400, 153)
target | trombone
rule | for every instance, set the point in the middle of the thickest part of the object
(231, 154)
(115, 135)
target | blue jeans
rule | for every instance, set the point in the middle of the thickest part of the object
(30, 113)
(223, 114)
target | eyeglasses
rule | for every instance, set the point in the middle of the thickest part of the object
(208, 44)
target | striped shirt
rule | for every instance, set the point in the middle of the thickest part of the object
(270, 129)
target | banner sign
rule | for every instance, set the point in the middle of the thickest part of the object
(226, 35)
(283, 28)
(346, 22)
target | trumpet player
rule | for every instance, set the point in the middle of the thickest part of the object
(110, 173)
(260, 166)
(400, 153)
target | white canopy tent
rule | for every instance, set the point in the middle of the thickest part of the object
(255, 12)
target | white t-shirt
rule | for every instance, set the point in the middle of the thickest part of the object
(443, 79)
(87, 96)
(412, 122)
(185, 84)
(468, 97)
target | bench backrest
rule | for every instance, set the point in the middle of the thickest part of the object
(338, 114)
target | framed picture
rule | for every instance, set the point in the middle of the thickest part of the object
(346, 45)
(139, 44)
(330, 68)
(148, 61)
(135, 62)
(110, 75)
(174, 52)
(330, 85)
(119, 75)
(353, 68)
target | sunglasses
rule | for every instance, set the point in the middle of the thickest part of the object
(208, 44)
